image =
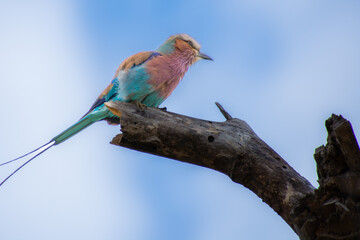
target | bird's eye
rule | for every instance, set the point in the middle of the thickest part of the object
(190, 43)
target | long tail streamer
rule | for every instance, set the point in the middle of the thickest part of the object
(23, 155)
(41, 149)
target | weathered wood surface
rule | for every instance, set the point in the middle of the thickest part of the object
(334, 210)
(232, 147)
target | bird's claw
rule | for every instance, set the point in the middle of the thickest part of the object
(140, 106)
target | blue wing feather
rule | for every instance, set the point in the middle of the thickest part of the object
(134, 83)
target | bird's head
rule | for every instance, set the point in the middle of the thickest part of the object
(183, 43)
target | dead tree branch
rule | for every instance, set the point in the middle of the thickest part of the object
(233, 148)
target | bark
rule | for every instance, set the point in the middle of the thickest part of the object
(330, 212)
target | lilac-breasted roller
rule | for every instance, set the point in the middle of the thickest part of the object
(147, 78)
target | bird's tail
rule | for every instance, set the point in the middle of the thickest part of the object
(95, 115)
(40, 149)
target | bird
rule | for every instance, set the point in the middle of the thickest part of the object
(146, 78)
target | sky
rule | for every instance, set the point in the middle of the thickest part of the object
(284, 67)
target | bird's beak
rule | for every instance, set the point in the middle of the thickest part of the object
(204, 56)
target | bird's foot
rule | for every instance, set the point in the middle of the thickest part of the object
(141, 107)
(163, 109)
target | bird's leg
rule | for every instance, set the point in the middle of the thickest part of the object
(141, 107)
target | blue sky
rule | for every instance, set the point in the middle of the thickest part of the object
(283, 67)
